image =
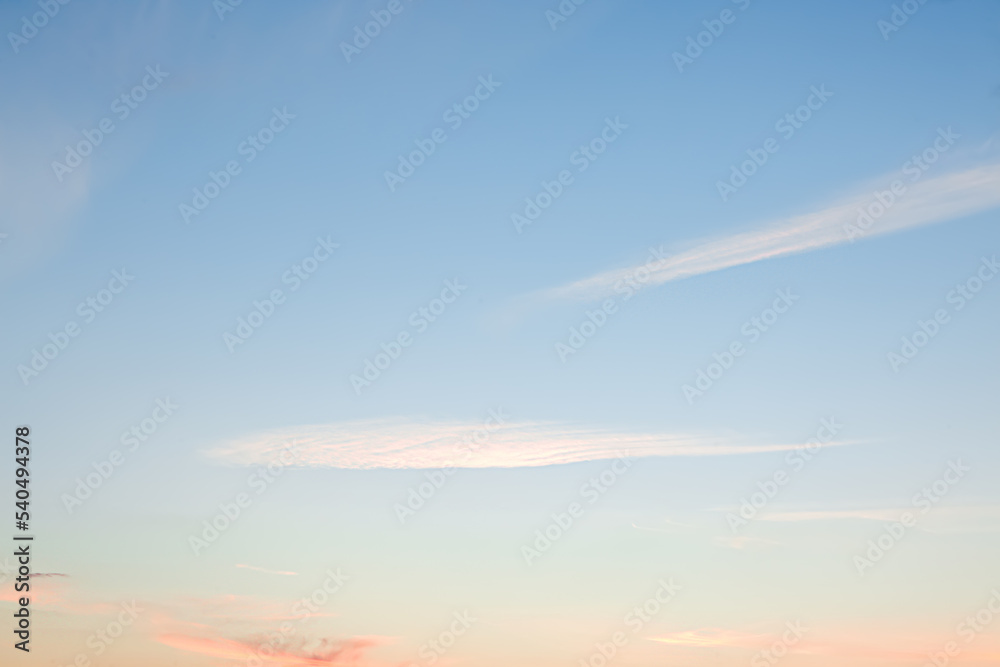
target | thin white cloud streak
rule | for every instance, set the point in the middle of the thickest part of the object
(835, 515)
(926, 202)
(713, 637)
(244, 566)
(399, 444)
(958, 519)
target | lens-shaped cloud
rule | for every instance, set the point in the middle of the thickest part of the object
(406, 444)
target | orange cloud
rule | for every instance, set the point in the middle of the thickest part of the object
(316, 654)
(55, 592)
(711, 637)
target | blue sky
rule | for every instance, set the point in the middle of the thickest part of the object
(655, 186)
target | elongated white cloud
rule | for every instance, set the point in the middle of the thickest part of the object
(403, 444)
(835, 515)
(960, 518)
(926, 202)
(284, 573)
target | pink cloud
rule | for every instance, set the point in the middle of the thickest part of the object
(415, 444)
(292, 654)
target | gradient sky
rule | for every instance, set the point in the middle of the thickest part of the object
(355, 455)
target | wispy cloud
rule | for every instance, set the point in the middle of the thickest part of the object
(927, 202)
(672, 526)
(961, 518)
(36, 218)
(56, 592)
(711, 637)
(862, 643)
(405, 444)
(834, 515)
(323, 652)
(885, 646)
(742, 542)
(239, 609)
(264, 569)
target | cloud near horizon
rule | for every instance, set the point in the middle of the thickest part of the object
(926, 202)
(851, 643)
(288, 654)
(409, 444)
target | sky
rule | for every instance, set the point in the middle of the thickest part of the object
(397, 333)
